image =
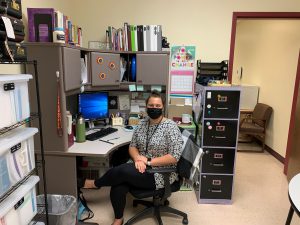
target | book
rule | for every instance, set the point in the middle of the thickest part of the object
(132, 33)
(129, 37)
(153, 37)
(159, 38)
(148, 38)
(125, 37)
(135, 38)
(145, 37)
(140, 32)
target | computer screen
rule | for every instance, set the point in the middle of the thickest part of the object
(93, 105)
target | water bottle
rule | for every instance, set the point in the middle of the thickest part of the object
(80, 129)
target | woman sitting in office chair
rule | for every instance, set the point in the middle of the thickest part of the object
(155, 142)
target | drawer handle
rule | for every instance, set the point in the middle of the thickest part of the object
(102, 76)
(216, 190)
(100, 60)
(217, 164)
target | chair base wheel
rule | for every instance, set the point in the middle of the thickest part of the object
(185, 221)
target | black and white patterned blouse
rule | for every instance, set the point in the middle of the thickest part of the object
(164, 138)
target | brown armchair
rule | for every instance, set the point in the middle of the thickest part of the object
(256, 123)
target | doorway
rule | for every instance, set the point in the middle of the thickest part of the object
(265, 46)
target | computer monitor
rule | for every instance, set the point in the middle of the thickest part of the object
(93, 105)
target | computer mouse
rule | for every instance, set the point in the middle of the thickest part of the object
(129, 127)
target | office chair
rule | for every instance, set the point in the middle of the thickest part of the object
(160, 201)
(255, 125)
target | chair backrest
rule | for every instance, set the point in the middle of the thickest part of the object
(261, 114)
(190, 158)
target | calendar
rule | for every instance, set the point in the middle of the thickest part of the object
(182, 70)
(182, 84)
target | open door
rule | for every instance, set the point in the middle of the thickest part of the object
(292, 157)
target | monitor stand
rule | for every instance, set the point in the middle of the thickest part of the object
(91, 125)
(96, 124)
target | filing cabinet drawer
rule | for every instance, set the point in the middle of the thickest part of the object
(220, 133)
(216, 187)
(218, 160)
(222, 104)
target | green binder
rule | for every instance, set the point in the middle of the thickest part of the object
(132, 34)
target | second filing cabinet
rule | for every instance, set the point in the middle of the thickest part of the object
(220, 121)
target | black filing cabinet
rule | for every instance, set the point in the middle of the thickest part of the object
(220, 122)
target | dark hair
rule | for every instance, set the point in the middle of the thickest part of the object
(156, 94)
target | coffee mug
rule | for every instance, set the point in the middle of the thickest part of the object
(186, 118)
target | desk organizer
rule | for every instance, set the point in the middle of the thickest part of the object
(20, 207)
(16, 156)
(14, 98)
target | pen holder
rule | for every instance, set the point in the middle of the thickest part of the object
(117, 121)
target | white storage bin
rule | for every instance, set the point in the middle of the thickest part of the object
(20, 207)
(14, 99)
(16, 156)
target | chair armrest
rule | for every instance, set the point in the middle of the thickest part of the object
(161, 170)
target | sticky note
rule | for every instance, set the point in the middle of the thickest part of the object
(140, 88)
(132, 87)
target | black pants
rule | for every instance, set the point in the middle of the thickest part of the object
(121, 178)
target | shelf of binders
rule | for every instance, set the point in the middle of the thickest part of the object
(17, 157)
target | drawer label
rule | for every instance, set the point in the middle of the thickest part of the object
(19, 203)
(15, 148)
(218, 156)
(216, 182)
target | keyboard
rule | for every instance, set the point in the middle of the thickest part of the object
(101, 133)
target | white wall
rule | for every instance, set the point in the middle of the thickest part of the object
(206, 24)
(268, 52)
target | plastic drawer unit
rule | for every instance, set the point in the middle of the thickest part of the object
(20, 207)
(14, 99)
(16, 156)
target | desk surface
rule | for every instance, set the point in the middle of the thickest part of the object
(294, 191)
(99, 148)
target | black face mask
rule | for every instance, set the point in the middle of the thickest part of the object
(154, 113)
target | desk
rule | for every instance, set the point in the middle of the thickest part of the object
(294, 196)
(61, 167)
(101, 149)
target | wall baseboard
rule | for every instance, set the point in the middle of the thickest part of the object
(279, 157)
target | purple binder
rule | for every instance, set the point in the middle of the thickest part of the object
(40, 24)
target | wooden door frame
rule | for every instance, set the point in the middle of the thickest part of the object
(268, 15)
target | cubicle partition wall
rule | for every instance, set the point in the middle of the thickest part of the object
(65, 71)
